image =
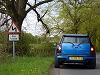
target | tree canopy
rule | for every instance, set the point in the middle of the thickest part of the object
(64, 16)
(18, 9)
(77, 16)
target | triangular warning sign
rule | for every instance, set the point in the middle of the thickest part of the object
(13, 29)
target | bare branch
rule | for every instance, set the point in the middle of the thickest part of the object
(40, 3)
(44, 13)
(39, 18)
(2, 11)
(5, 22)
(1, 4)
(35, 1)
(71, 15)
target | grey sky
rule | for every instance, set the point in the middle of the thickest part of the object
(30, 23)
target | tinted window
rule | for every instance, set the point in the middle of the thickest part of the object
(82, 40)
(69, 39)
(76, 39)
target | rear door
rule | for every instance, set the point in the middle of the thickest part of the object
(68, 45)
(83, 46)
(67, 48)
(75, 45)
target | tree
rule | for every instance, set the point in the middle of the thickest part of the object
(18, 9)
(70, 16)
(81, 16)
(92, 24)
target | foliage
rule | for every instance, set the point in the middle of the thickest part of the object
(42, 50)
(18, 10)
(29, 45)
(23, 45)
(5, 57)
(77, 16)
(27, 66)
(4, 41)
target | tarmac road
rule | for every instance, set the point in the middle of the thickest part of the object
(77, 69)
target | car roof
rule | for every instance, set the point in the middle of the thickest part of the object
(84, 35)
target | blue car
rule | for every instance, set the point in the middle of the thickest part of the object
(75, 48)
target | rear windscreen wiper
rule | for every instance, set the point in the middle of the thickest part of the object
(70, 42)
(80, 43)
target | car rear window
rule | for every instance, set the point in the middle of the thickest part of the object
(75, 39)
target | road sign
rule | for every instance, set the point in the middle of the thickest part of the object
(13, 37)
(13, 29)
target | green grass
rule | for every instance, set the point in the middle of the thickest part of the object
(27, 66)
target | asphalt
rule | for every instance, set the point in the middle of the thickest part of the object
(76, 69)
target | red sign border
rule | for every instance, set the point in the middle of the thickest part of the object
(13, 32)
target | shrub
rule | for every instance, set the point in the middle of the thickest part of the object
(42, 49)
(22, 46)
(5, 57)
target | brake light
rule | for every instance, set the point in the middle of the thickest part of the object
(59, 49)
(92, 50)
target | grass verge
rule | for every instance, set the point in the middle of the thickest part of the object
(27, 66)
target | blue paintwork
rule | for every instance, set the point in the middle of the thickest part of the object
(68, 48)
(75, 49)
(84, 57)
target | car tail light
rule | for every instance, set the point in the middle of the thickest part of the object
(59, 49)
(92, 50)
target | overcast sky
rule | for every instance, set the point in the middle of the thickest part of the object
(30, 23)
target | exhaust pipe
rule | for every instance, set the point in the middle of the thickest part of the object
(88, 62)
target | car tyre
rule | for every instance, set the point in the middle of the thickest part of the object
(57, 64)
(93, 65)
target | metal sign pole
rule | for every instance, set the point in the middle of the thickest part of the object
(13, 50)
(13, 32)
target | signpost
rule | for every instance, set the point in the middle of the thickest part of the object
(13, 32)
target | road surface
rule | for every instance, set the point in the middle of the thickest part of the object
(77, 69)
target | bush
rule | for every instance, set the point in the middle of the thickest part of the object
(22, 46)
(25, 48)
(5, 57)
(42, 49)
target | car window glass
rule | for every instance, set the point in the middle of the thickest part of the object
(69, 39)
(82, 40)
(76, 39)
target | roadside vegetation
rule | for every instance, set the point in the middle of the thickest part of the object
(34, 56)
(26, 66)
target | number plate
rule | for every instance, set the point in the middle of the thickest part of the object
(75, 58)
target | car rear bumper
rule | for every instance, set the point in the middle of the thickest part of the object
(66, 59)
